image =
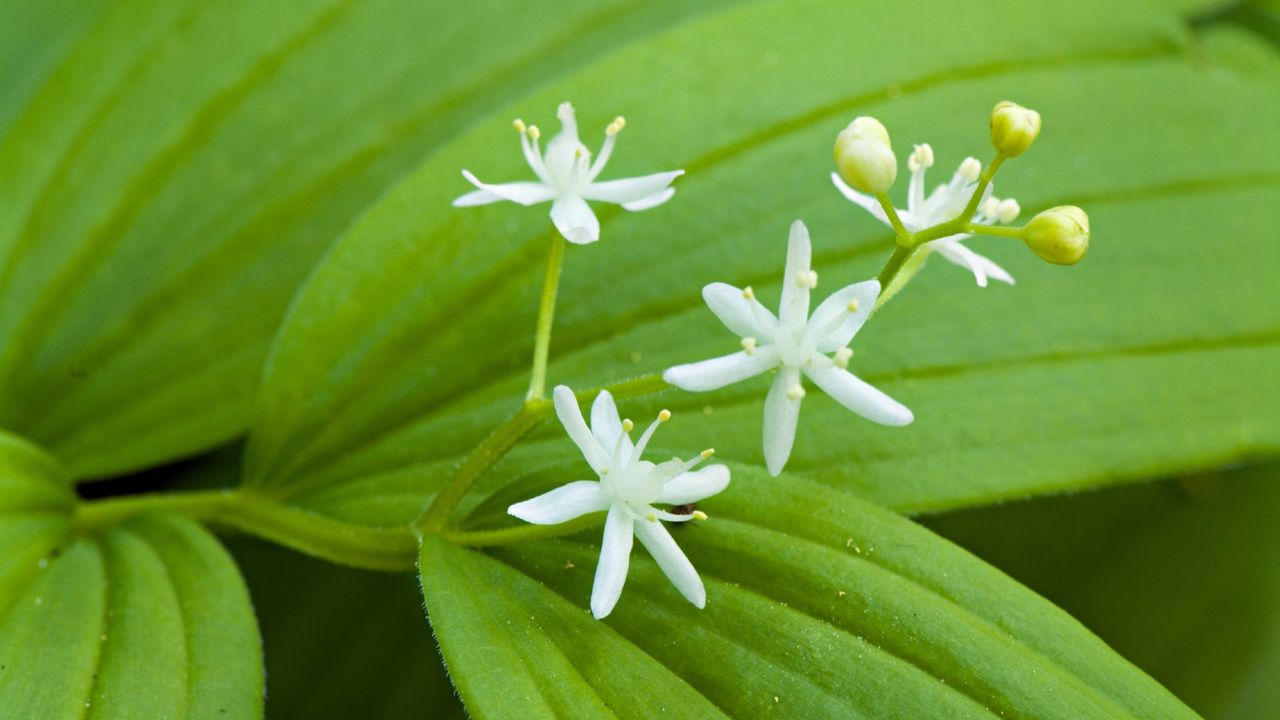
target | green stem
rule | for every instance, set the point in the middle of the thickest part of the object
(522, 533)
(894, 266)
(488, 452)
(900, 230)
(305, 531)
(996, 230)
(546, 314)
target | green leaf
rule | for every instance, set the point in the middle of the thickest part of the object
(171, 169)
(819, 605)
(411, 340)
(145, 619)
(1182, 577)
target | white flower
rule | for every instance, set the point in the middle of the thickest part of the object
(567, 176)
(795, 342)
(627, 488)
(943, 204)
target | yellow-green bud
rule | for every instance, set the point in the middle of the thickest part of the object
(1059, 235)
(1013, 128)
(864, 157)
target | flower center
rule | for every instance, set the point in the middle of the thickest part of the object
(638, 485)
(795, 348)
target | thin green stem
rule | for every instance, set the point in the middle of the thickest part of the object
(522, 533)
(305, 531)
(983, 181)
(997, 231)
(903, 235)
(546, 314)
(894, 266)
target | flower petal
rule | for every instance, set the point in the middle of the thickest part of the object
(571, 418)
(718, 372)
(981, 267)
(781, 412)
(746, 318)
(606, 425)
(834, 314)
(695, 485)
(858, 396)
(866, 202)
(575, 220)
(674, 563)
(562, 504)
(795, 288)
(615, 557)
(631, 190)
(524, 193)
(652, 201)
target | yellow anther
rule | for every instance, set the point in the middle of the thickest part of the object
(616, 126)
(664, 415)
(708, 453)
(651, 517)
(807, 279)
(749, 345)
(627, 425)
(699, 515)
(795, 392)
(519, 125)
(534, 132)
(842, 357)
(970, 169)
(853, 305)
(748, 293)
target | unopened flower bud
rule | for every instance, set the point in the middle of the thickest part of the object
(1013, 128)
(864, 158)
(1059, 235)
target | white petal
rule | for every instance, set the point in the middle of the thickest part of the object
(781, 413)
(915, 190)
(795, 293)
(571, 418)
(652, 201)
(525, 193)
(746, 318)
(866, 202)
(562, 504)
(630, 190)
(476, 197)
(858, 396)
(615, 557)
(695, 485)
(837, 306)
(606, 425)
(718, 372)
(981, 267)
(658, 541)
(575, 220)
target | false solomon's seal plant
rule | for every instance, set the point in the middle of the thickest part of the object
(630, 492)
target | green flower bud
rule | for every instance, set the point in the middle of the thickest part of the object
(1013, 128)
(864, 157)
(1058, 235)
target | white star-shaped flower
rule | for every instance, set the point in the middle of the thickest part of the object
(944, 203)
(797, 343)
(627, 488)
(567, 177)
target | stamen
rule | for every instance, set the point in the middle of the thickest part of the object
(991, 207)
(853, 305)
(795, 392)
(842, 357)
(707, 453)
(616, 126)
(748, 293)
(970, 169)
(610, 137)
(663, 416)
(749, 345)
(807, 279)
(651, 517)
(922, 157)
(1007, 211)
(699, 515)
(627, 425)
(519, 125)
(534, 132)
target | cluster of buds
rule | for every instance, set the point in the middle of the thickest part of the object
(865, 162)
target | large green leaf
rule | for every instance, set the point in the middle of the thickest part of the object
(148, 618)
(1182, 577)
(819, 605)
(400, 354)
(170, 170)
